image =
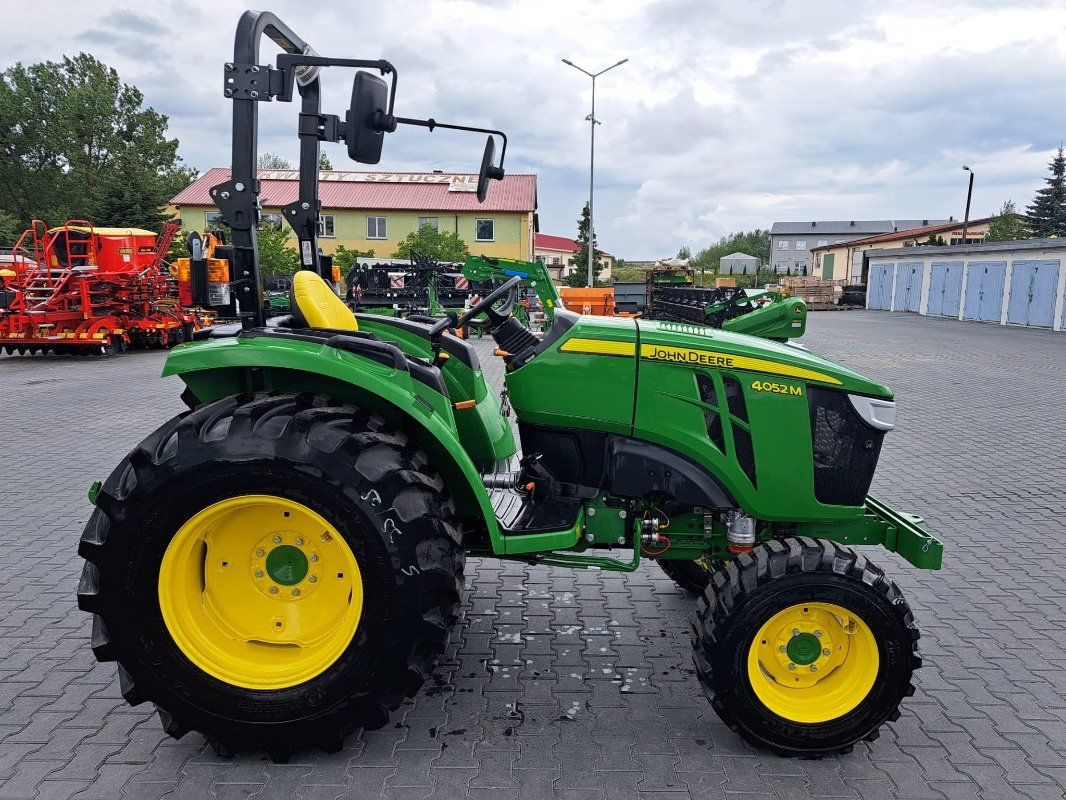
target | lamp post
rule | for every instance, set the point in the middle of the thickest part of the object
(969, 194)
(592, 155)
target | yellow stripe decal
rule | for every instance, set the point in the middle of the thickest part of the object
(687, 355)
(708, 358)
(599, 347)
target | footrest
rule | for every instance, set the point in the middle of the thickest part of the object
(517, 515)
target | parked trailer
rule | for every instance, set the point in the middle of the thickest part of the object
(78, 289)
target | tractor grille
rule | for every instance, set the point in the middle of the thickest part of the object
(845, 449)
(745, 452)
(706, 386)
(734, 395)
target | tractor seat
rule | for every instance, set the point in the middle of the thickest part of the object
(316, 305)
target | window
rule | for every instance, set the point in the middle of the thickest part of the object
(801, 244)
(375, 228)
(484, 230)
(823, 242)
(783, 244)
(326, 226)
(213, 221)
(273, 221)
(556, 261)
(433, 222)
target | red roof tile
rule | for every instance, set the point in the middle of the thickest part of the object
(386, 191)
(910, 233)
(546, 241)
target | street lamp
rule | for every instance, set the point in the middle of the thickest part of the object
(969, 194)
(592, 154)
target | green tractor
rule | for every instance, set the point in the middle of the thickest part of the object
(283, 563)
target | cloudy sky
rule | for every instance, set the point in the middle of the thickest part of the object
(728, 115)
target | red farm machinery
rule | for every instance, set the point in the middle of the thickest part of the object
(82, 290)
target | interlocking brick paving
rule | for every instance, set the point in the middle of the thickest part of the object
(578, 684)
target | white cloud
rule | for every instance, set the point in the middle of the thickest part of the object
(728, 115)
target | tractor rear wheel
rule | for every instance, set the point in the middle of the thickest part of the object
(692, 576)
(804, 647)
(273, 572)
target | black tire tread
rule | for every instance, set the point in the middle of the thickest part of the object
(689, 575)
(284, 426)
(774, 559)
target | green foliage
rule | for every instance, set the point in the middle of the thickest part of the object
(754, 243)
(1047, 212)
(179, 247)
(276, 257)
(323, 161)
(78, 143)
(10, 229)
(935, 240)
(345, 258)
(684, 252)
(272, 161)
(439, 245)
(580, 261)
(1007, 225)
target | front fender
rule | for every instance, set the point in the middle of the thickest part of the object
(217, 368)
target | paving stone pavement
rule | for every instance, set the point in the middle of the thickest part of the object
(578, 684)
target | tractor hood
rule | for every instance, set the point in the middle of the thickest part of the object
(713, 348)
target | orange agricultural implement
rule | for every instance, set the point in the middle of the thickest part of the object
(77, 289)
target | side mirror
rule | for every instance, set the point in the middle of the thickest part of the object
(488, 171)
(367, 119)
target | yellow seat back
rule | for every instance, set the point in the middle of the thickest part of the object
(316, 305)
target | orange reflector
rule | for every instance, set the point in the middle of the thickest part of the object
(500, 353)
(464, 404)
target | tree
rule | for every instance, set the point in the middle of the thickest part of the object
(76, 142)
(428, 241)
(935, 240)
(323, 161)
(272, 161)
(276, 257)
(1047, 212)
(345, 258)
(684, 253)
(1007, 225)
(753, 243)
(581, 259)
(10, 229)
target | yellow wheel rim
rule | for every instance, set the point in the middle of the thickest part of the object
(813, 662)
(260, 592)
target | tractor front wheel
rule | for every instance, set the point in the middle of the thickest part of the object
(804, 647)
(273, 572)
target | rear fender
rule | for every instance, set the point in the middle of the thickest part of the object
(218, 368)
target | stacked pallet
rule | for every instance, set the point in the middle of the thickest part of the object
(818, 294)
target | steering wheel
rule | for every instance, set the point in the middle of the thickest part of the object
(484, 306)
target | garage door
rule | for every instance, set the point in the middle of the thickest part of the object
(879, 287)
(945, 288)
(1032, 293)
(909, 285)
(984, 290)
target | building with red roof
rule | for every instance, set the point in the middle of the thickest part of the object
(847, 261)
(375, 210)
(557, 253)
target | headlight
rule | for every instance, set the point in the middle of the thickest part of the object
(875, 412)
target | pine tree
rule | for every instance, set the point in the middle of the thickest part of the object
(581, 258)
(1047, 212)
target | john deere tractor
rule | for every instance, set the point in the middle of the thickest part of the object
(282, 563)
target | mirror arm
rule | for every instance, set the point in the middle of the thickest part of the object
(432, 123)
(286, 61)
